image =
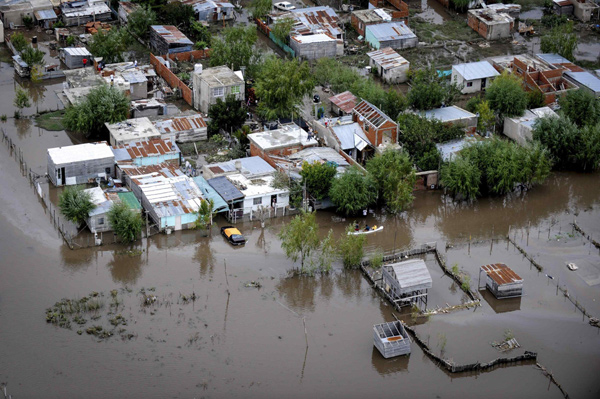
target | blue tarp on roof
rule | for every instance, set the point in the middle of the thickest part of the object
(225, 189)
(210, 193)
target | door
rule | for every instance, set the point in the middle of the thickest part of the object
(177, 223)
(274, 201)
(62, 176)
(483, 81)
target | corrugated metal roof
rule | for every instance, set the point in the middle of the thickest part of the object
(390, 31)
(552, 59)
(77, 51)
(45, 14)
(345, 101)
(146, 148)
(501, 274)
(387, 58)
(411, 274)
(313, 20)
(372, 114)
(476, 70)
(171, 34)
(80, 152)
(448, 114)
(129, 199)
(251, 166)
(201, 5)
(225, 189)
(180, 123)
(585, 79)
(210, 193)
(350, 135)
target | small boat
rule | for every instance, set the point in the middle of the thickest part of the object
(572, 266)
(363, 231)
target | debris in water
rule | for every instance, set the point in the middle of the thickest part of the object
(254, 284)
(572, 266)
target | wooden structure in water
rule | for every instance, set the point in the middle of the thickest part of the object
(407, 282)
(391, 339)
(502, 281)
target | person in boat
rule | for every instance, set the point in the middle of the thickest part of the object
(367, 228)
(356, 227)
(374, 227)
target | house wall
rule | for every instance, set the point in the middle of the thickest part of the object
(81, 20)
(518, 132)
(314, 51)
(386, 133)
(203, 94)
(465, 89)
(393, 75)
(583, 11)
(282, 201)
(81, 172)
(211, 15)
(15, 16)
(562, 10)
(326, 135)
(400, 43)
(95, 226)
(138, 91)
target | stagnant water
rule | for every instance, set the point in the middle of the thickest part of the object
(293, 337)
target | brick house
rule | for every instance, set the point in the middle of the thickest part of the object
(378, 127)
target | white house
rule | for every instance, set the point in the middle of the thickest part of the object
(519, 129)
(390, 65)
(473, 76)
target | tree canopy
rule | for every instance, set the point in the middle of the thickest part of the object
(394, 177)
(126, 223)
(140, 21)
(260, 8)
(506, 95)
(318, 178)
(111, 45)
(228, 115)
(282, 86)
(75, 204)
(461, 178)
(581, 107)
(351, 247)
(429, 90)
(353, 191)
(235, 48)
(32, 56)
(561, 40)
(18, 41)
(178, 14)
(103, 104)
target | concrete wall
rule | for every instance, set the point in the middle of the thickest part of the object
(172, 80)
(490, 31)
(463, 84)
(203, 96)
(283, 200)
(582, 11)
(393, 75)
(96, 227)
(314, 51)
(520, 133)
(138, 91)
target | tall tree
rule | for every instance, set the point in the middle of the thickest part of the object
(140, 21)
(126, 223)
(318, 177)
(177, 14)
(282, 86)
(581, 107)
(300, 237)
(111, 45)
(353, 191)
(260, 8)
(506, 95)
(228, 115)
(461, 178)
(394, 178)
(235, 48)
(21, 101)
(428, 90)
(561, 40)
(351, 247)
(103, 104)
(75, 204)
(486, 119)
(32, 56)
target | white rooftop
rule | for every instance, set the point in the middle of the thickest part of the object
(133, 129)
(447, 114)
(475, 70)
(258, 186)
(286, 136)
(318, 38)
(80, 153)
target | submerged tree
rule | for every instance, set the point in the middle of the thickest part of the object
(353, 191)
(75, 204)
(300, 238)
(126, 223)
(205, 214)
(103, 104)
(394, 178)
(506, 95)
(351, 247)
(318, 178)
(21, 101)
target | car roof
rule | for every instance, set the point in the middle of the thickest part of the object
(233, 231)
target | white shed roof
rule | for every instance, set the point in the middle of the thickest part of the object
(80, 153)
(476, 70)
(412, 274)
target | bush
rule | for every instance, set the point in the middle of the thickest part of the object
(506, 95)
(462, 178)
(353, 191)
(318, 178)
(126, 223)
(32, 56)
(351, 248)
(394, 178)
(28, 21)
(75, 204)
(581, 107)
(70, 41)
(18, 41)
(377, 258)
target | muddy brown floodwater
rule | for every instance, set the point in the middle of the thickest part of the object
(293, 337)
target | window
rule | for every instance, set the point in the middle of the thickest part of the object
(235, 90)
(469, 84)
(100, 221)
(366, 127)
(218, 92)
(258, 201)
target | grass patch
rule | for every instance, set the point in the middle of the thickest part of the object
(52, 121)
(449, 30)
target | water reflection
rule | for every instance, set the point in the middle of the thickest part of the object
(262, 243)
(299, 292)
(76, 260)
(389, 366)
(205, 257)
(23, 126)
(126, 266)
(501, 305)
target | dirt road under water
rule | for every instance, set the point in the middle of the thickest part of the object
(293, 337)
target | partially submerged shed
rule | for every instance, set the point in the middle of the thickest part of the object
(73, 56)
(502, 281)
(407, 282)
(391, 339)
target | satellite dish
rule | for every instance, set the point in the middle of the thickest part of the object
(361, 118)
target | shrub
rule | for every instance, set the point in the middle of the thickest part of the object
(126, 223)
(75, 204)
(351, 248)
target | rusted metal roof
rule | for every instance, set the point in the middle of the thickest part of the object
(345, 101)
(171, 34)
(149, 148)
(180, 123)
(387, 58)
(372, 114)
(501, 274)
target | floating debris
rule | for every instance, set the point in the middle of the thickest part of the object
(572, 266)
(506, 345)
(253, 284)
(594, 322)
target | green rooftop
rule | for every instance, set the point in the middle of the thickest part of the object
(130, 200)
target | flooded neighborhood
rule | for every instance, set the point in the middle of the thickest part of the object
(300, 199)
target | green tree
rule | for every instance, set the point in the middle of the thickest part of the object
(318, 177)
(351, 248)
(588, 150)
(353, 191)
(200, 34)
(581, 107)
(282, 86)
(21, 101)
(103, 104)
(473, 103)
(140, 21)
(18, 41)
(282, 28)
(177, 14)
(300, 238)
(535, 99)
(461, 178)
(126, 223)
(394, 178)
(486, 119)
(111, 45)
(28, 21)
(236, 47)
(561, 40)
(228, 115)
(506, 95)
(260, 8)
(428, 90)
(75, 204)
(32, 56)
(205, 214)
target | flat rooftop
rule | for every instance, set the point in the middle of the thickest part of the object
(133, 129)
(286, 136)
(80, 153)
(448, 114)
(220, 76)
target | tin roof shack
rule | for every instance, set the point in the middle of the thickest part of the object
(210, 193)
(46, 18)
(147, 152)
(171, 198)
(391, 339)
(585, 10)
(80, 12)
(473, 77)
(379, 128)
(313, 47)
(537, 75)
(390, 65)
(250, 167)
(407, 282)
(562, 7)
(343, 134)
(286, 140)
(77, 164)
(502, 281)
(138, 77)
(184, 128)
(360, 19)
(148, 107)
(126, 8)
(131, 130)
(98, 217)
(73, 56)
(211, 11)
(396, 35)
(343, 103)
(490, 24)
(167, 39)
(213, 83)
(513, 10)
(455, 116)
(519, 129)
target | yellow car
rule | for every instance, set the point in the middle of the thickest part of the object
(233, 235)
